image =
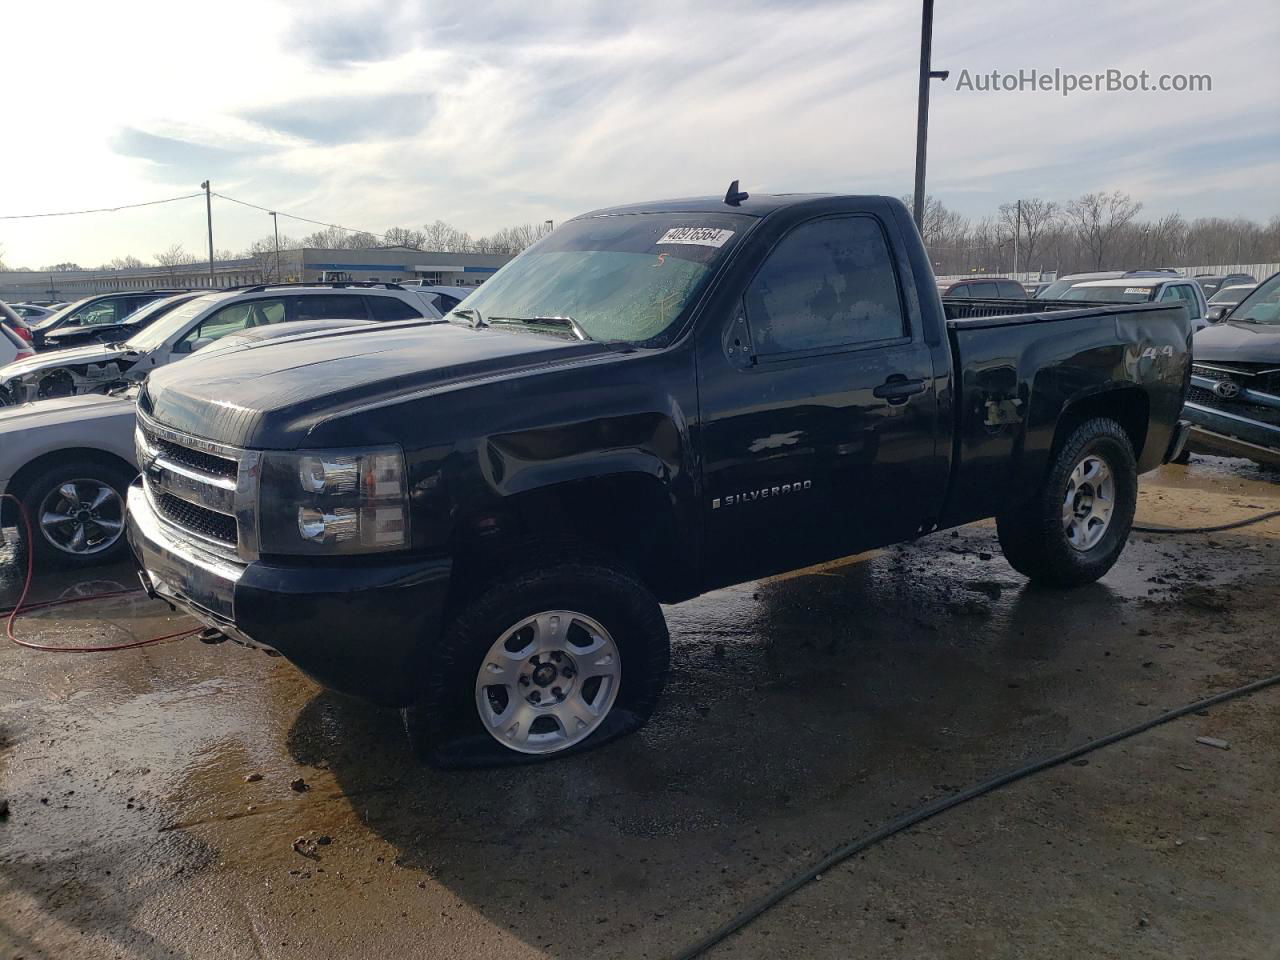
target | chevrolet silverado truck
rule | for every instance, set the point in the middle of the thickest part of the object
(477, 521)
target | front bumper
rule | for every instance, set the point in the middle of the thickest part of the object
(1231, 434)
(359, 625)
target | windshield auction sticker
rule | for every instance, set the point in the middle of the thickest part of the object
(699, 236)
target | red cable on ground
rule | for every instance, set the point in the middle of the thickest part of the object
(22, 605)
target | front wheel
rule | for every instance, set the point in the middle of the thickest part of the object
(1073, 529)
(76, 514)
(541, 664)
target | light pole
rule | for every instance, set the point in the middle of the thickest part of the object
(208, 210)
(275, 226)
(922, 113)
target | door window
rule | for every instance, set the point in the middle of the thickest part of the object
(96, 314)
(827, 284)
(392, 308)
(985, 289)
(232, 319)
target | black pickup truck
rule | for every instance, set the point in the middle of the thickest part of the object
(476, 521)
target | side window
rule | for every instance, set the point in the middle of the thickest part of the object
(829, 283)
(391, 308)
(1189, 295)
(231, 319)
(1011, 290)
(1170, 293)
(984, 289)
(331, 306)
(958, 290)
(96, 314)
(446, 302)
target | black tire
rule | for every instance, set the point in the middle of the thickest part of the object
(1032, 535)
(34, 493)
(444, 725)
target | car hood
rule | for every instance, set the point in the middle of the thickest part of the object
(271, 395)
(90, 353)
(46, 413)
(70, 334)
(1239, 342)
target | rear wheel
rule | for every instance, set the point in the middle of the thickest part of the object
(76, 514)
(1073, 530)
(541, 664)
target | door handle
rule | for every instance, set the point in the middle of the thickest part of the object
(898, 389)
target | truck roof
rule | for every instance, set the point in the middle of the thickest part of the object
(756, 205)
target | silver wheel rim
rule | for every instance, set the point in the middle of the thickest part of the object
(548, 682)
(82, 517)
(1089, 503)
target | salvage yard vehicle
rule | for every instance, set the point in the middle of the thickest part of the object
(1055, 289)
(986, 288)
(476, 521)
(70, 461)
(74, 335)
(12, 346)
(101, 310)
(1211, 283)
(194, 325)
(1234, 402)
(1220, 303)
(1144, 290)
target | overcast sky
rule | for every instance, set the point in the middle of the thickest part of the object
(486, 113)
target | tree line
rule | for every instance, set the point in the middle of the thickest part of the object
(1098, 231)
(439, 237)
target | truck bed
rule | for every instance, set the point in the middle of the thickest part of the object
(1015, 372)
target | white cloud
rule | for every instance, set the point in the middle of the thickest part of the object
(486, 113)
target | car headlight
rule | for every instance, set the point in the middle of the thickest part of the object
(334, 501)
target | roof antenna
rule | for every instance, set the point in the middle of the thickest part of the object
(735, 196)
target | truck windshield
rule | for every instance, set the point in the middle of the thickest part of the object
(149, 338)
(624, 277)
(1261, 306)
(1128, 294)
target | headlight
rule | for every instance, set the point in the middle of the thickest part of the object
(334, 501)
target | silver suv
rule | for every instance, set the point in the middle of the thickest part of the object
(97, 367)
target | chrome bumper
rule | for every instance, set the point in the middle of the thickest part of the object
(200, 583)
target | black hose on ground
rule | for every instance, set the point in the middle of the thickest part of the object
(1247, 522)
(928, 811)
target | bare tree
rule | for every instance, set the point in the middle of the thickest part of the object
(1030, 223)
(405, 237)
(1098, 218)
(339, 238)
(263, 254)
(445, 238)
(173, 258)
(127, 262)
(60, 267)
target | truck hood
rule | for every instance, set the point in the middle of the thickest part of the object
(271, 395)
(1239, 342)
(50, 359)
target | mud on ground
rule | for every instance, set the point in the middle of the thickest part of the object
(150, 812)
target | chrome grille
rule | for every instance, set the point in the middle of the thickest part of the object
(203, 491)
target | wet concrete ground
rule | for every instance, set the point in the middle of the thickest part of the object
(802, 712)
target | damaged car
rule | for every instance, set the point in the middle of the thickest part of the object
(1234, 401)
(97, 368)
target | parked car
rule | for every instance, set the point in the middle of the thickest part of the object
(78, 452)
(476, 520)
(1054, 290)
(985, 288)
(1211, 284)
(1220, 303)
(101, 310)
(12, 347)
(11, 321)
(1144, 290)
(196, 324)
(74, 335)
(443, 298)
(1234, 402)
(32, 312)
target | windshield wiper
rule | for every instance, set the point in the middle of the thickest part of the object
(554, 323)
(470, 314)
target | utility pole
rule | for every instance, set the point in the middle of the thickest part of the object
(922, 114)
(1017, 230)
(275, 226)
(208, 210)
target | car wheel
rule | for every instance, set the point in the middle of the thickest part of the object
(539, 665)
(1073, 529)
(76, 514)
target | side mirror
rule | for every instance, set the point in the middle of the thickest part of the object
(182, 346)
(1217, 313)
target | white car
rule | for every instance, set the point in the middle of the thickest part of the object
(1145, 290)
(70, 460)
(96, 368)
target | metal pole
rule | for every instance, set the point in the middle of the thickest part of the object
(922, 115)
(1017, 229)
(275, 223)
(208, 209)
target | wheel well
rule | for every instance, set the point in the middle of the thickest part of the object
(1128, 406)
(29, 471)
(625, 519)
